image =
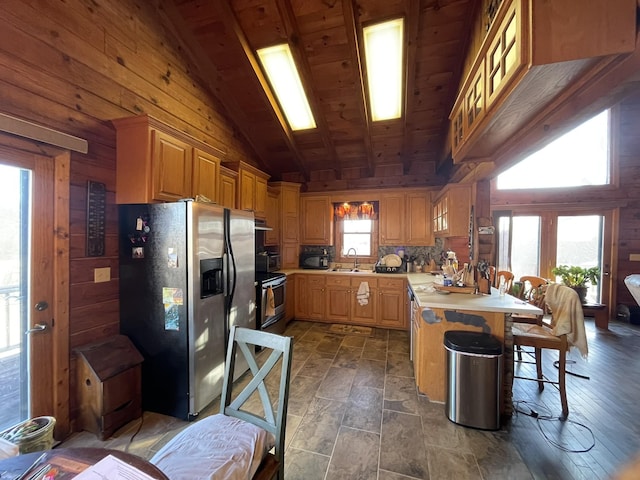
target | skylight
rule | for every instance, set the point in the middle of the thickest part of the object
(383, 47)
(278, 63)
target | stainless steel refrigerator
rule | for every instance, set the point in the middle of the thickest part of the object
(186, 276)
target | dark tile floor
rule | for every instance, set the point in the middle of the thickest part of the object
(354, 414)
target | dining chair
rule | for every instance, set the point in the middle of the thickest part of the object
(237, 442)
(508, 280)
(564, 330)
(531, 291)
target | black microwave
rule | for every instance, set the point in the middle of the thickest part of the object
(317, 261)
(267, 262)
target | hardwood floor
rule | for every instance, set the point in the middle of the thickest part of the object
(354, 414)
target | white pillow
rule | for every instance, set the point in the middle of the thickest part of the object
(216, 447)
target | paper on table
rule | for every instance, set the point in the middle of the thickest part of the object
(114, 469)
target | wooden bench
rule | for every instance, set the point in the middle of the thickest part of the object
(599, 312)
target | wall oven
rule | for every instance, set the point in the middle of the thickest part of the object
(270, 321)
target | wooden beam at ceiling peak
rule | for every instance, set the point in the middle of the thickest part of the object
(411, 47)
(229, 18)
(291, 29)
(353, 38)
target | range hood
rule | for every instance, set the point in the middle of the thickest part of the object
(262, 225)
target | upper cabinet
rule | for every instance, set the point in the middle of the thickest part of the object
(252, 188)
(317, 220)
(228, 187)
(405, 218)
(206, 175)
(156, 163)
(272, 237)
(452, 211)
(392, 218)
(533, 52)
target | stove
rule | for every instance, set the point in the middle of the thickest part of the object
(270, 285)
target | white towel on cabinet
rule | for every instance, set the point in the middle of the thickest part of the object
(363, 293)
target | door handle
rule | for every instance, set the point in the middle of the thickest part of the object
(38, 327)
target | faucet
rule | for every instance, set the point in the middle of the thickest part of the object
(355, 255)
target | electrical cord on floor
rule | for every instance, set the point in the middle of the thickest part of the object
(557, 363)
(534, 413)
(126, 449)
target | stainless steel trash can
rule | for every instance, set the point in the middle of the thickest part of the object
(473, 379)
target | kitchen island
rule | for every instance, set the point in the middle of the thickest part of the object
(434, 313)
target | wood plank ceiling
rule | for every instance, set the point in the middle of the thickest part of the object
(346, 150)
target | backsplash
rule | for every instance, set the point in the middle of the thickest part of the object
(419, 254)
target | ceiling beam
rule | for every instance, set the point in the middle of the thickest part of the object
(211, 76)
(354, 44)
(230, 19)
(291, 30)
(412, 20)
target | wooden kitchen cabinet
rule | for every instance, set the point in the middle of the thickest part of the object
(342, 300)
(272, 237)
(290, 299)
(252, 188)
(310, 297)
(418, 227)
(364, 314)
(338, 298)
(392, 303)
(532, 59)
(317, 220)
(228, 187)
(392, 219)
(156, 163)
(452, 211)
(288, 221)
(206, 175)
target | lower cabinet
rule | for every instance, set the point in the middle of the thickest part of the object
(310, 297)
(334, 298)
(392, 302)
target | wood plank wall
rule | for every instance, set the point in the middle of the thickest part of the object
(74, 65)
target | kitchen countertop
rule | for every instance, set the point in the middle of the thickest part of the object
(466, 301)
(290, 271)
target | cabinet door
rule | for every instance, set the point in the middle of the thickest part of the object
(272, 237)
(290, 300)
(504, 55)
(172, 165)
(316, 297)
(364, 314)
(290, 215)
(317, 225)
(260, 197)
(206, 175)
(247, 191)
(227, 197)
(289, 255)
(338, 295)
(418, 227)
(457, 129)
(392, 219)
(302, 305)
(392, 299)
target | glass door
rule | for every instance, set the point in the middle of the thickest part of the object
(580, 243)
(532, 244)
(26, 286)
(15, 184)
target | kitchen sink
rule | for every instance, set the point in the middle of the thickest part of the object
(349, 270)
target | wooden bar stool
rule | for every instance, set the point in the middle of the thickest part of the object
(566, 329)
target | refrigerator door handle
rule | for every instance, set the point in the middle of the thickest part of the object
(225, 274)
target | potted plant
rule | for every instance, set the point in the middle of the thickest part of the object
(577, 278)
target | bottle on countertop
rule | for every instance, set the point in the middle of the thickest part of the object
(502, 286)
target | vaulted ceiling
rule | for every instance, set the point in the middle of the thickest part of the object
(346, 148)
